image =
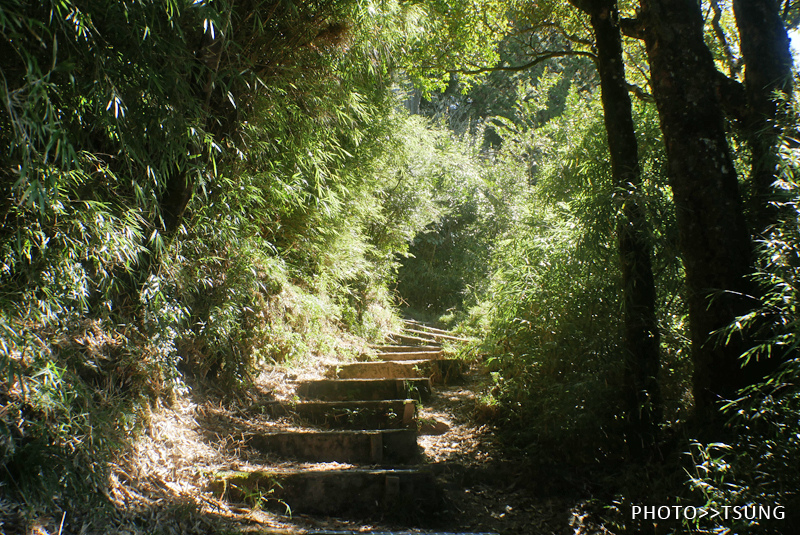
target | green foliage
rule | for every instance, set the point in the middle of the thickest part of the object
(448, 259)
(190, 189)
(760, 465)
(273, 123)
(73, 401)
(95, 121)
(458, 35)
(554, 332)
(555, 285)
(74, 86)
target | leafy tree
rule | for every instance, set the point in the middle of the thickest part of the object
(449, 257)
(768, 69)
(714, 237)
(642, 339)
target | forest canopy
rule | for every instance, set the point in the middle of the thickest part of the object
(603, 192)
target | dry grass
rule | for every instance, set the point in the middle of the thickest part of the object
(462, 440)
(159, 485)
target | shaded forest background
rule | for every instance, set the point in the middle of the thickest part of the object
(605, 193)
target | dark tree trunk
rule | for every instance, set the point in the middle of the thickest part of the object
(714, 238)
(642, 340)
(768, 68)
(180, 187)
(174, 199)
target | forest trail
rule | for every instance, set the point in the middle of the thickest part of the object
(395, 442)
(350, 454)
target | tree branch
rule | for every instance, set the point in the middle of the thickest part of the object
(571, 37)
(640, 93)
(733, 65)
(515, 68)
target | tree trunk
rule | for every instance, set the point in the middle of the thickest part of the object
(714, 238)
(179, 186)
(642, 339)
(768, 68)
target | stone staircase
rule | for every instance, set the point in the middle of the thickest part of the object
(357, 434)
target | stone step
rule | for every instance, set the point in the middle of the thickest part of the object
(389, 446)
(435, 336)
(401, 349)
(354, 491)
(439, 371)
(411, 355)
(422, 325)
(408, 339)
(382, 414)
(380, 369)
(365, 389)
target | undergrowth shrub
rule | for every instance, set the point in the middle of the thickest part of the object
(73, 399)
(553, 335)
(553, 342)
(447, 261)
(74, 368)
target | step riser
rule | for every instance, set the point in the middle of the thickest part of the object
(423, 327)
(367, 447)
(374, 370)
(419, 355)
(391, 414)
(408, 339)
(438, 337)
(438, 371)
(337, 492)
(368, 389)
(401, 349)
